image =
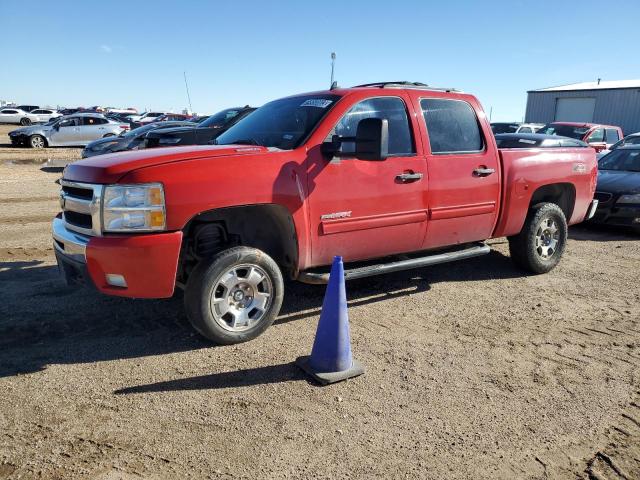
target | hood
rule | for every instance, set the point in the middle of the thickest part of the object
(31, 129)
(170, 131)
(615, 181)
(110, 168)
(97, 144)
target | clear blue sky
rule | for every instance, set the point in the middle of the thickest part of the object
(133, 53)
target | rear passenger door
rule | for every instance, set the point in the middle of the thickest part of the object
(464, 173)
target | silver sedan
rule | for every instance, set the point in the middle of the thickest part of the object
(75, 130)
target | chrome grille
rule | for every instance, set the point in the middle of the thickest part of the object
(80, 204)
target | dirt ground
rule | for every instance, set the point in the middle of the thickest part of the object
(473, 370)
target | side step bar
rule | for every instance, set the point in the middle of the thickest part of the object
(369, 271)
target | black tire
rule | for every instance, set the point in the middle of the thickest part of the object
(203, 286)
(37, 141)
(527, 249)
(25, 121)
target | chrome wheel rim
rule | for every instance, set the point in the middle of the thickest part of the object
(37, 142)
(547, 238)
(241, 297)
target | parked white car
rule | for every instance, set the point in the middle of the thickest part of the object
(529, 127)
(43, 115)
(75, 130)
(17, 116)
(146, 117)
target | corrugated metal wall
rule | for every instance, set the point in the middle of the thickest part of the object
(613, 107)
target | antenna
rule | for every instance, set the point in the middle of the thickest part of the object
(187, 87)
(333, 62)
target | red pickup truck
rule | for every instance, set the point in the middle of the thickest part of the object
(367, 172)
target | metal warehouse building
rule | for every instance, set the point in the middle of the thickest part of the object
(607, 102)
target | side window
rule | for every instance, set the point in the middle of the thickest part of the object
(90, 121)
(70, 122)
(525, 130)
(612, 135)
(391, 108)
(596, 136)
(452, 126)
(10, 112)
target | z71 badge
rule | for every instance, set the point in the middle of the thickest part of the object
(579, 168)
(333, 216)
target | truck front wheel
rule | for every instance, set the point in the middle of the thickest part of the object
(234, 296)
(541, 243)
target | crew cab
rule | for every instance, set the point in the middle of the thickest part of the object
(600, 137)
(369, 173)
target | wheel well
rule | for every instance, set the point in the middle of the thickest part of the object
(44, 139)
(267, 227)
(562, 194)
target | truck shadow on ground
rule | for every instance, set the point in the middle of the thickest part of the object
(44, 322)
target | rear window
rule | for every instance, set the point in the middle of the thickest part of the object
(452, 126)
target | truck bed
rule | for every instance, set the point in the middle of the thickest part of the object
(524, 174)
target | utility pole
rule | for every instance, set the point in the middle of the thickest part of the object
(187, 87)
(333, 62)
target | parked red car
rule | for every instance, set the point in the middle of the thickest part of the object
(599, 136)
(366, 172)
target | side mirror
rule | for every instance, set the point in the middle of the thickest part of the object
(371, 141)
(599, 146)
(56, 126)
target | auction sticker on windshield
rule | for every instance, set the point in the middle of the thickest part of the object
(317, 102)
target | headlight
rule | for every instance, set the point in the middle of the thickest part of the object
(629, 198)
(168, 140)
(128, 208)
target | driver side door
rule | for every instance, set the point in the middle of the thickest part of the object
(363, 209)
(66, 133)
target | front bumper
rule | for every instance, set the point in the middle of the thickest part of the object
(619, 215)
(147, 262)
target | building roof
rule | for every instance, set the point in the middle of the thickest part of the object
(602, 85)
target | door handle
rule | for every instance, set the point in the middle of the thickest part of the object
(483, 171)
(409, 177)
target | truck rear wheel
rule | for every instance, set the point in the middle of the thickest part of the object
(541, 243)
(234, 296)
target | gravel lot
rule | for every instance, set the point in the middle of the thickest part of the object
(474, 369)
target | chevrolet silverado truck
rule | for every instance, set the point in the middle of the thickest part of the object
(391, 176)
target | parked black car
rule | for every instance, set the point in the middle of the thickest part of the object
(200, 134)
(618, 189)
(129, 140)
(535, 140)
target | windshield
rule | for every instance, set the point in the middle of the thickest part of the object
(630, 140)
(564, 130)
(504, 128)
(283, 123)
(220, 119)
(623, 160)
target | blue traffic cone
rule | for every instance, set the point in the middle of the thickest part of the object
(331, 360)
